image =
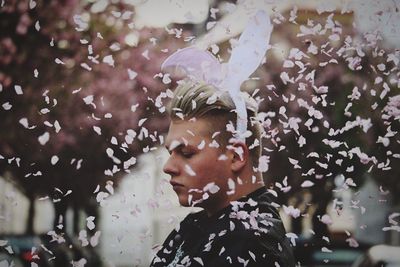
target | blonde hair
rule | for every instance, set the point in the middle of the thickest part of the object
(200, 100)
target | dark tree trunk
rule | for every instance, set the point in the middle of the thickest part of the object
(31, 216)
(296, 224)
(76, 219)
(59, 223)
(320, 228)
(91, 209)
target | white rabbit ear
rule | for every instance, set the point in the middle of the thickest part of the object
(197, 64)
(245, 59)
(251, 48)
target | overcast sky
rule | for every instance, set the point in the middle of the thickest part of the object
(382, 15)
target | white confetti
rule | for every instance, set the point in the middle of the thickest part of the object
(59, 61)
(134, 107)
(80, 263)
(109, 152)
(81, 21)
(132, 74)
(109, 60)
(83, 238)
(292, 237)
(291, 211)
(32, 4)
(214, 49)
(326, 219)
(391, 228)
(109, 187)
(381, 67)
(194, 104)
(307, 183)
(142, 121)
(130, 162)
(391, 218)
(94, 240)
(189, 170)
(9, 250)
(86, 66)
(37, 26)
(7, 106)
(57, 126)
(325, 249)
(301, 141)
(97, 130)
(44, 138)
(199, 260)
(44, 111)
(115, 47)
(210, 25)
(285, 78)
(352, 242)
(90, 222)
(201, 145)
(263, 163)
(88, 99)
(76, 91)
(166, 79)
(231, 226)
(24, 122)
(54, 160)
(313, 49)
(288, 64)
(211, 187)
(145, 54)
(101, 198)
(294, 163)
(18, 89)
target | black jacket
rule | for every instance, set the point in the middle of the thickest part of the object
(249, 232)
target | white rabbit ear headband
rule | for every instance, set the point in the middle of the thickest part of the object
(246, 56)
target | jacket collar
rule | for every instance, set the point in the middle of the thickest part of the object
(202, 222)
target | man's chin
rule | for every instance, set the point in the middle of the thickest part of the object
(183, 201)
(190, 202)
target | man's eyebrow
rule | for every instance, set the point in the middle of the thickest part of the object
(174, 144)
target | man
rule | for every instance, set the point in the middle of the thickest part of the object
(212, 169)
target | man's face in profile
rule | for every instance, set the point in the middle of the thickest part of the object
(199, 169)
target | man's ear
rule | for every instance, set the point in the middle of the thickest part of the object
(239, 155)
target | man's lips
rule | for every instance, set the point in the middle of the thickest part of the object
(175, 184)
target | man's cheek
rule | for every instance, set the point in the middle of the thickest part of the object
(190, 171)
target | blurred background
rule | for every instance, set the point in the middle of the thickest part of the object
(83, 120)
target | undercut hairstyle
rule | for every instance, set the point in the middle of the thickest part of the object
(204, 101)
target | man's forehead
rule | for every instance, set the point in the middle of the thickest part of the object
(185, 132)
(184, 137)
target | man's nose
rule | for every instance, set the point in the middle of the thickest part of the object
(170, 167)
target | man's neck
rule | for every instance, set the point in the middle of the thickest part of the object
(243, 187)
(246, 188)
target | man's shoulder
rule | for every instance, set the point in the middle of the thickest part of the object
(249, 230)
(259, 237)
(254, 225)
(253, 216)
(257, 215)
(256, 230)
(260, 245)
